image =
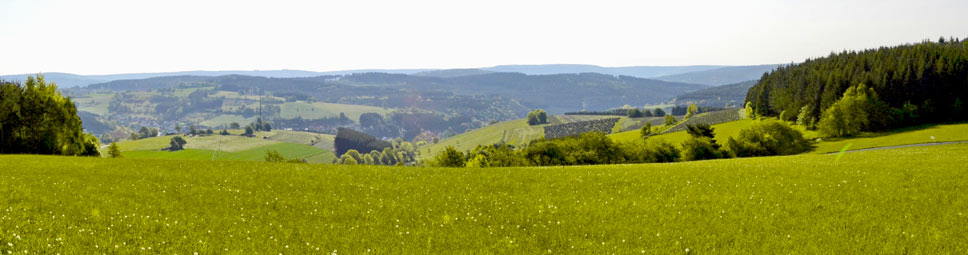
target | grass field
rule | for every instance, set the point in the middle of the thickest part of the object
(318, 110)
(291, 144)
(513, 132)
(288, 150)
(908, 200)
(912, 135)
(723, 131)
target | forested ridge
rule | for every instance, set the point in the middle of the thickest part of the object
(917, 83)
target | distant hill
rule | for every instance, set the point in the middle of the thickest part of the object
(556, 93)
(68, 80)
(691, 74)
(719, 96)
(721, 76)
(450, 73)
(636, 71)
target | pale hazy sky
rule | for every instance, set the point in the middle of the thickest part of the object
(100, 37)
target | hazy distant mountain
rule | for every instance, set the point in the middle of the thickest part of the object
(636, 71)
(698, 74)
(556, 93)
(450, 73)
(67, 80)
(721, 76)
(719, 96)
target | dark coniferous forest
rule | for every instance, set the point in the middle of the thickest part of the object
(918, 83)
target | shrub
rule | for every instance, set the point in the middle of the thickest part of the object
(692, 110)
(646, 130)
(114, 150)
(658, 151)
(449, 157)
(670, 120)
(634, 113)
(274, 156)
(767, 138)
(858, 110)
(537, 117)
(177, 143)
(700, 148)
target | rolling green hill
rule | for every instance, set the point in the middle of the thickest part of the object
(906, 200)
(514, 132)
(723, 131)
(315, 148)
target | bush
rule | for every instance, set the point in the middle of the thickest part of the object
(650, 151)
(768, 138)
(274, 156)
(670, 120)
(449, 157)
(692, 110)
(646, 130)
(114, 150)
(537, 117)
(634, 113)
(700, 148)
(858, 110)
(177, 143)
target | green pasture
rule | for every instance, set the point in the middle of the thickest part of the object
(908, 200)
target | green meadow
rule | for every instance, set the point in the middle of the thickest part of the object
(907, 200)
(291, 144)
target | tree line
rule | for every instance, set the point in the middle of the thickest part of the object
(850, 92)
(36, 119)
(763, 138)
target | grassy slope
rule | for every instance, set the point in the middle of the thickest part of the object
(319, 110)
(906, 200)
(913, 135)
(288, 150)
(292, 144)
(517, 132)
(723, 132)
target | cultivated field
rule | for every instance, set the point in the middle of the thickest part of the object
(908, 200)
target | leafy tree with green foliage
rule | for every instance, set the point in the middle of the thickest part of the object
(249, 131)
(646, 130)
(537, 117)
(347, 160)
(234, 125)
(658, 112)
(670, 120)
(858, 110)
(748, 110)
(114, 150)
(35, 118)
(449, 157)
(274, 156)
(177, 143)
(701, 130)
(767, 138)
(701, 145)
(805, 119)
(692, 110)
(700, 148)
(927, 75)
(634, 113)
